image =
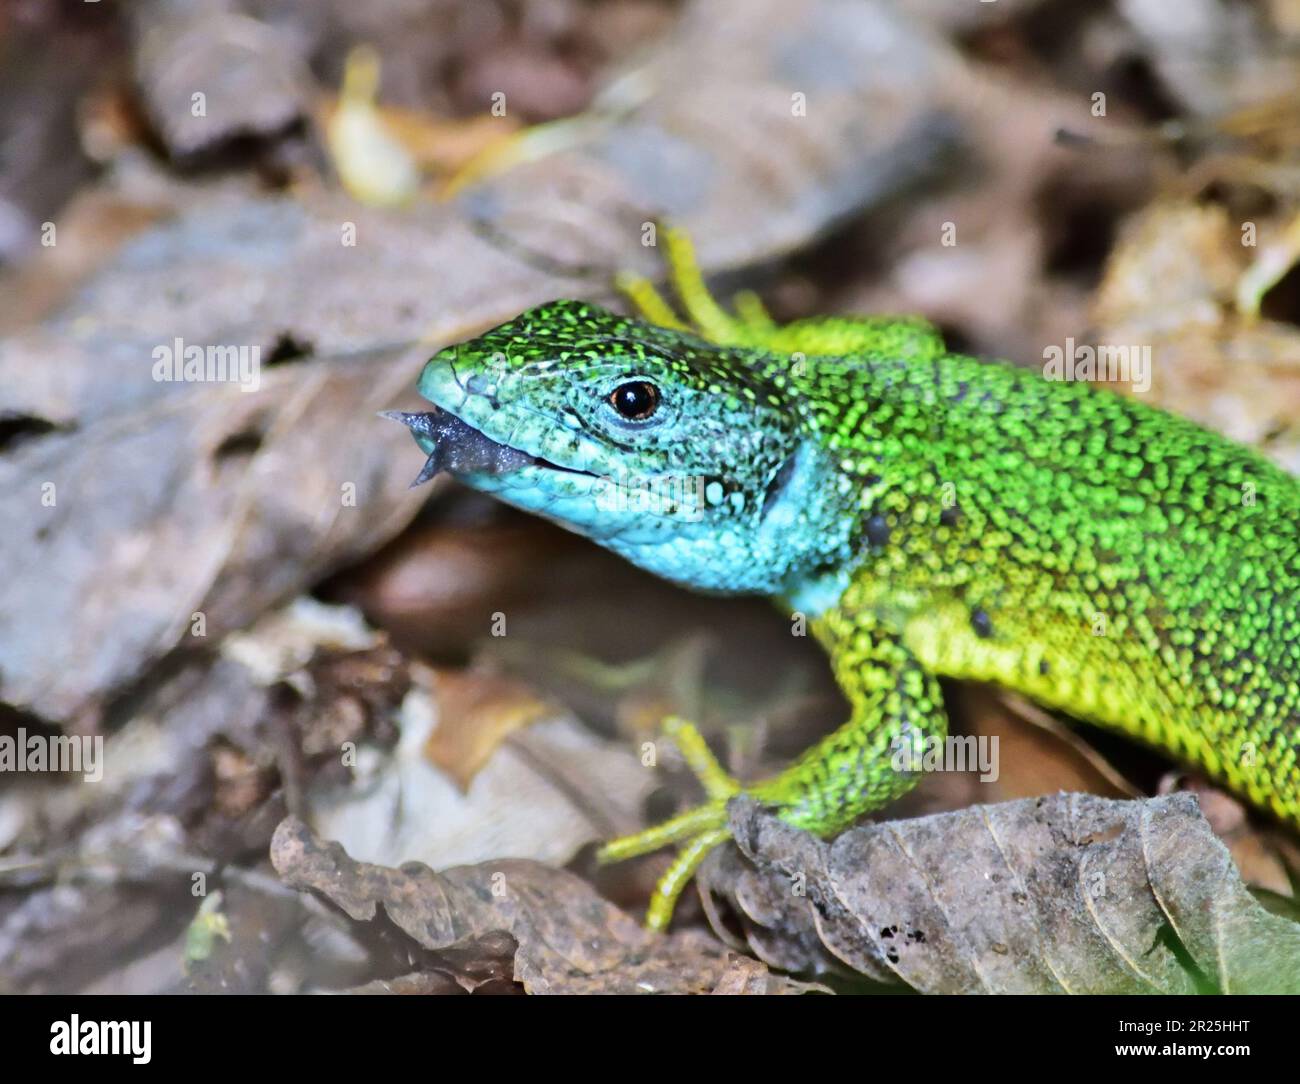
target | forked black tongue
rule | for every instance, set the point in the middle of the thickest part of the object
(457, 447)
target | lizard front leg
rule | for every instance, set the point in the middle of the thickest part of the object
(860, 767)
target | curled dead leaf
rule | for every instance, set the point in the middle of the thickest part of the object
(477, 711)
(1067, 894)
(568, 939)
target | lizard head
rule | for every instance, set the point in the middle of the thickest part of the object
(692, 460)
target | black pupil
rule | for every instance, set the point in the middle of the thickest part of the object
(635, 400)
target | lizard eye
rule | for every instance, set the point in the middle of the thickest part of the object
(636, 400)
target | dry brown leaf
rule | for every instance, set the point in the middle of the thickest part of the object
(1256, 846)
(225, 503)
(1038, 755)
(1069, 894)
(439, 146)
(569, 939)
(1214, 56)
(542, 794)
(251, 78)
(477, 710)
(719, 96)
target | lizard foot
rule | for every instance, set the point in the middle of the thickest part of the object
(704, 316)
(699, 829)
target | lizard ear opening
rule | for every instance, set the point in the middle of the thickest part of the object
(778, 483)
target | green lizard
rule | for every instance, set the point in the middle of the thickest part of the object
(931, 514)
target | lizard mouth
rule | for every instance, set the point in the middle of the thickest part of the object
(460, 449)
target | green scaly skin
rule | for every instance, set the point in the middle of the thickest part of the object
(932, 514)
